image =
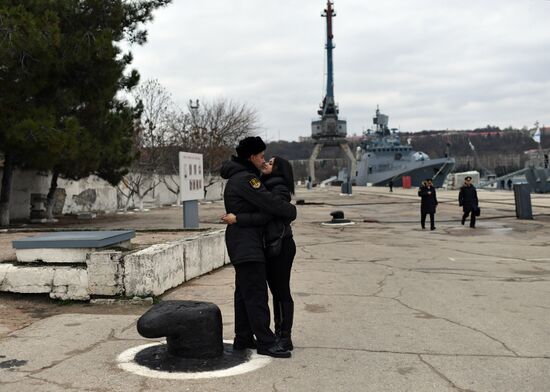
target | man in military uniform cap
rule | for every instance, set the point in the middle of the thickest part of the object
(467, 199)
(244, 193)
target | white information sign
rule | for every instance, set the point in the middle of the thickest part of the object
(191, 176)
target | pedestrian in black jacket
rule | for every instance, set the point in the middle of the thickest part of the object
(280, 247)
(428, 203)
(467, 199)
(244, 193)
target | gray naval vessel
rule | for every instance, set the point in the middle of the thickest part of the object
(382, 157)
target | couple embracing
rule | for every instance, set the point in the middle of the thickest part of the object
(260, 246)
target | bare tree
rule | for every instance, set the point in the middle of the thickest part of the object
(178, 129)
(150, 142)
(212, 129)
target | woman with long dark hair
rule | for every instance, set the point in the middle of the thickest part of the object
(278, 178)
(279, 246)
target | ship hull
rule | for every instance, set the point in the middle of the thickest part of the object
(538, 179)
(436, 169)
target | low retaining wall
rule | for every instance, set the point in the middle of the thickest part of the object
(59, 282)
(147, 272)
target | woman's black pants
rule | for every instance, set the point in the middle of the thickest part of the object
(278, 278)
(423, 219)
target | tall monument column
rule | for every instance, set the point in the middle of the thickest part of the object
(329, 130)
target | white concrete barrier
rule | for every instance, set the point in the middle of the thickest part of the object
(59, 282)
(154, 270)
(24, 279)
(105, 273)
(148, 272)
(204, 254)
(70, 283)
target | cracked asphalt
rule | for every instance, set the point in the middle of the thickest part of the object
(380, 306)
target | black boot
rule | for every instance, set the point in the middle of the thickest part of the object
(286, 326)
(277, 317)
(275, 351)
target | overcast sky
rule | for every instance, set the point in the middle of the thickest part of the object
(429, 64)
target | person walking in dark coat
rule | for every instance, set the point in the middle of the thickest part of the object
(390, 184)
(467, 199)
(244, 193)
(428, 203)
(280, 247)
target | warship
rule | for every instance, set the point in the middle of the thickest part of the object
(381, 158)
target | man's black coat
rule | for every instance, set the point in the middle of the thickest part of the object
(244, 193)
(467, 198)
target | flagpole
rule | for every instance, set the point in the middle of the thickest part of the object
(537, 137)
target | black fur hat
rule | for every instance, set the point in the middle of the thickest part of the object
(251, 145)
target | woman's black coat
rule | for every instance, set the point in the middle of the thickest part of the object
(428, 201)
(275, 227)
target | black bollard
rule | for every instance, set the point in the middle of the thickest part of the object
(192, 329)
(337, 215)
(338, 218)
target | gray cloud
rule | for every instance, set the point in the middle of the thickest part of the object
(430, 64)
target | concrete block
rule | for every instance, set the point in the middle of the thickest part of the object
(25, 279)
(154, 270)
(4, 268)
(46, 255)
(105, 273)
(226, 259)
(218, 253)
(204, 254)
(192, 256)
(70, 283)
(59, 282)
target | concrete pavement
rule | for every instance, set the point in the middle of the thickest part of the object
(380, 306)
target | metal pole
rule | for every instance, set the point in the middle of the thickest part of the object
(191, 214)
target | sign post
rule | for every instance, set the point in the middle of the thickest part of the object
(191, 187)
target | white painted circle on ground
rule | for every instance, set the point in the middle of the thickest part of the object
(126, 362)
(337, 224)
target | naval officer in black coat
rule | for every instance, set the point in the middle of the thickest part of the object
(428, 203)
(467, 199)
(244, 193)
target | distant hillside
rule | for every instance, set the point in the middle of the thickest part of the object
(498, 150)
(486, 140)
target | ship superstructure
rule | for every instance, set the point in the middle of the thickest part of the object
(383, 158)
